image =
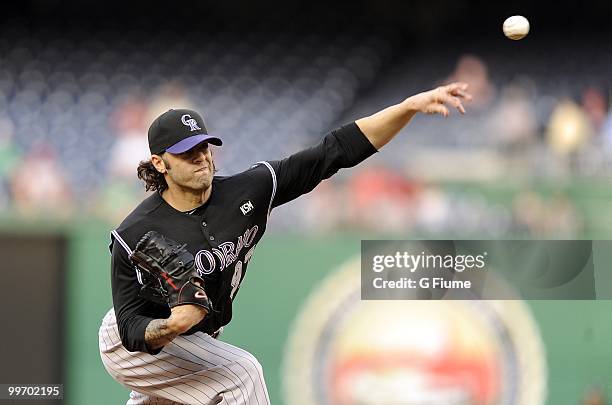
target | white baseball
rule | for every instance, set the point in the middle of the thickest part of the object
(516, 27)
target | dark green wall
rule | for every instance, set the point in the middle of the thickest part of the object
(285, 269)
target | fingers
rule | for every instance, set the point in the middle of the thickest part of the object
(438, 108)
(456, 102)
(453, 94)
(459, 89)
(453, 101)
(436, 101)
(456, 87)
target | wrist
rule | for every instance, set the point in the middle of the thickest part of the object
(409, 106)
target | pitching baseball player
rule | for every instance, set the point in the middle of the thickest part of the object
(179, 258)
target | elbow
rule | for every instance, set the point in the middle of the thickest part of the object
(129, 335)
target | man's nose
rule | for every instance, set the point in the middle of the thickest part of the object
(200, 156)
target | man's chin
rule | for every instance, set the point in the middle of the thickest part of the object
(203, 185)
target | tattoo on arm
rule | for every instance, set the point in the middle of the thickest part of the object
(158, 334)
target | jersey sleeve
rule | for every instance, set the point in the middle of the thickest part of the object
(129, 307)
(301, 172)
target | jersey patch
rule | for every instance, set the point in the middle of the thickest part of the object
(246, 207)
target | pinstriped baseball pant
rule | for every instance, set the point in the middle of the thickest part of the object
(195, 369)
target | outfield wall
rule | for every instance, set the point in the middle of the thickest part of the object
(284, 271)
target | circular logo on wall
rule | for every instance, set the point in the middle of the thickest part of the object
(343, 350)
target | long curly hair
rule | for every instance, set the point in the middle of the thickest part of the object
(153, 179)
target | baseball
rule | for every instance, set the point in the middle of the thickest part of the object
(516, 27)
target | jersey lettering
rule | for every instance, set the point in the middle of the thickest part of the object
(228, 249)
(237, 277)
(207, 261)
(221, 258)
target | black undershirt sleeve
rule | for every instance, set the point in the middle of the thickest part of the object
(301, 172)
(129, 307)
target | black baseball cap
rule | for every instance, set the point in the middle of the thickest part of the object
(177, 131)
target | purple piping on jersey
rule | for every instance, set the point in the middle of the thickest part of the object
(188, 143)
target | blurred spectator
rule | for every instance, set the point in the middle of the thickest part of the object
(380, 199)
(472, 70)
(561, 220)
(170, 95)
(594, 106)
(606, 130)
(122, 189)
(433, 210)
(323, 210)
(528, 211)
(514, 120)
(556, 218)
(131, 145)
(39, 186)
(569, 128)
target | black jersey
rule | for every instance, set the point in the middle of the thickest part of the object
(223, 233)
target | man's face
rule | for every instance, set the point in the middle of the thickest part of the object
(193, 169)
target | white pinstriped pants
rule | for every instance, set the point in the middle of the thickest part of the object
(195, 369)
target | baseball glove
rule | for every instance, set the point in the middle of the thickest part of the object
(173, 267)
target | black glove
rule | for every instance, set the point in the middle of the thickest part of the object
(173, 266)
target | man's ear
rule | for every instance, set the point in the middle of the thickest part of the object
(159, 164)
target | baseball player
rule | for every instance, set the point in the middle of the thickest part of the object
(179, 258)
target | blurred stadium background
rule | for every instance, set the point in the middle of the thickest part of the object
(81, 81)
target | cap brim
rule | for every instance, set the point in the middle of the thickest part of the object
(188, 143)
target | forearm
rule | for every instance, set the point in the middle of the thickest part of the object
(381, 127)
(160, 332)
